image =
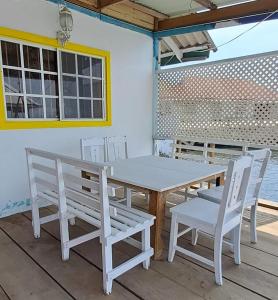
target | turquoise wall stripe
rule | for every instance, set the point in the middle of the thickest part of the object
(105, 18)
(12, 208)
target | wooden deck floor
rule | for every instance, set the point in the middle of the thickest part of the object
(32, 269)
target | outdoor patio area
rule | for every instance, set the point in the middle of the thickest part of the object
(33, 269)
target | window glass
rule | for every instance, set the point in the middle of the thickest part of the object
(69, 86)
(13, 81)
(33, 83)
(84, 85)
(15, 107)
(83, 63)
(10, 54)
(96, 67)
(49, 60)
(97, 109)
(68, 63)
(35, 107)
(31, 57)
(97, 88)
(70, 108)
(85, 108)
(52, 107)
(51, 84)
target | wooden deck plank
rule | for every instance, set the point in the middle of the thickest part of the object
(198, 280)
(22, 278)
(77, 276)
(3, 296)
(146, 283)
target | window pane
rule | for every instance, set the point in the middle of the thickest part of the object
(83, 65)
(97, 88)
(10, 54)
(52, 108)
(51, 84)
(84, 85)
(97, 109)
(33, 83)
(15, 107)
(85, 108)
(69, 86)
(13, 81)
(49, 60)
(68, 63)
(31, 57)
(34, 107)
(96, 67)
(70, 108)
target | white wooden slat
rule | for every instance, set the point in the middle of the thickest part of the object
(45, 169)
(84, 238)
(46, 184)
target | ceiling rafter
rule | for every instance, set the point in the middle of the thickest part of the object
(207, 4)
(145, 9)
(220, 14)
(106, 3)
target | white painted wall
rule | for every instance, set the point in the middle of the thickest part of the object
(131, 65)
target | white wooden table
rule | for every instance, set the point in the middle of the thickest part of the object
(160, 176)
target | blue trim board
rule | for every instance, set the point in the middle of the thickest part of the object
(104, 18)
(12, 208)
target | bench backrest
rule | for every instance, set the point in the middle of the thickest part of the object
(57, 179)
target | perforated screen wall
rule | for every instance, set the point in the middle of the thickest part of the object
(235, 100)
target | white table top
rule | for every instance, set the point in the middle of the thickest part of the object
(161, 174)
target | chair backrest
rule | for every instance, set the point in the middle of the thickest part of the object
(57, 179)
(235, 189)
(93, 149)
(116, 148)
(261, 159)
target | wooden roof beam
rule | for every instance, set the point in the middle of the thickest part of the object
(105, 3)
(221, 14)
(146, 10)
(207, 4)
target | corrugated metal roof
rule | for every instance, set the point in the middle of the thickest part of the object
(181, 45)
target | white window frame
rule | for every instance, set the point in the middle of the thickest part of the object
(59, 73)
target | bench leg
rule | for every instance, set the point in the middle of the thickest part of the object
(106, 266)
(218, 259)
(253, 221)
(236, 235)
(64, 232)
(128, 195)
(146, 245)
(194, 236)
(36, 219)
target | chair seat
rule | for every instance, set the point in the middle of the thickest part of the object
(213, 195)
(197, 213)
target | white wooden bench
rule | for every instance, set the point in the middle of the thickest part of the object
(57, 179)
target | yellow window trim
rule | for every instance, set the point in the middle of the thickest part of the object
(50, 42)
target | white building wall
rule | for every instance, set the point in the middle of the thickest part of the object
(131, 76)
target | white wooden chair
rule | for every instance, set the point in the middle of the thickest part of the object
(57, 179)
(95, 149)
(261, 158)
(214, 219)
(116, 149)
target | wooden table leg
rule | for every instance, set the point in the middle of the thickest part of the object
(157, 208)
(220, 180)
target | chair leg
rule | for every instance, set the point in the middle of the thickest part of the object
(107, 266)
(218, 259)
(72, 221)
(253, 223)
(194, 236)
(236, 235)
(186, 194)
(36, 219)
(146, 245)
(64, 232)
(173, 238)
(128, 197)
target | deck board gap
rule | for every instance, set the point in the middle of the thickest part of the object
(3, 290)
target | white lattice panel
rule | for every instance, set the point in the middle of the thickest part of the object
(230, 100)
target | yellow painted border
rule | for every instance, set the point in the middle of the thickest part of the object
(50, 42)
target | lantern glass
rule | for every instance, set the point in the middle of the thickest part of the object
(66, 20)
